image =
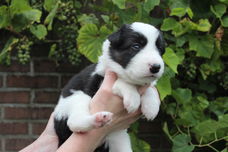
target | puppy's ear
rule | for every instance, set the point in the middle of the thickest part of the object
(160, 43)
(115, 38)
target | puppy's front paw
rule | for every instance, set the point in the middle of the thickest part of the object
(150, 106)
(102, 118)
(149, 113)
(132, 102)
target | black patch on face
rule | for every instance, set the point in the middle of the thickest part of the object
(160, 43)
(125, 44)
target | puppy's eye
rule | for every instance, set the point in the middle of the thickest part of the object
(136, 46)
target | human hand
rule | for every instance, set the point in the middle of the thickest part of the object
(105, 100)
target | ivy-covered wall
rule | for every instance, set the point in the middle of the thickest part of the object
(195, 84)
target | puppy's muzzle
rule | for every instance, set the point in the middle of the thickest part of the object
(155, 68)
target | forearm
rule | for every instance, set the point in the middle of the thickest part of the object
(86, 142)
(44, 143)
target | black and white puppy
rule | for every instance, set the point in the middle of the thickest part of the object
(134, 54)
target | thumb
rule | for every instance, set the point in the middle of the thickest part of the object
(109, 79)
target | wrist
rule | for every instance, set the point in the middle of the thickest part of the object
(83, 142)
(47, 143)
(44, 143)
(96, 136)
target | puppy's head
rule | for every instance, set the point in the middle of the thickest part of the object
(134, 53)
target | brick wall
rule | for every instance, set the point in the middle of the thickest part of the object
(28, 94)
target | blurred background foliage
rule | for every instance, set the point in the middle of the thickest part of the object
(194, 87)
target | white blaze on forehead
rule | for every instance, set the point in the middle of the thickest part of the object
(149, 31)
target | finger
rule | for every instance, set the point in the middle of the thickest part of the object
(131, 121)
(109, 79)
(142, 89)
(134, 119)
(137, 113)
(133, 115)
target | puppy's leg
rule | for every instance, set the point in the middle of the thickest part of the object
(87, 122)
(119, 141)
(76, 109)
(131, 97)
(150, 103)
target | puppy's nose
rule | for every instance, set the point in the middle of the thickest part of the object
(155, 68)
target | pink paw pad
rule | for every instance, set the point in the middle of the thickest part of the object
(102, 118)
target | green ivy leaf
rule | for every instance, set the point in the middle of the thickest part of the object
(181, 11)
(223, 121)
(203, 45)
(211, 67)
(180, 41)
(52, 51)
(19, 6)
(219, 10)
(225, 150)
(171, 59)
(33, 15)
(164, 84)
(203, 103)
(178, 4)
(225, 21)
(189, 12)
(219, 106)
(172, 24)
(169, 24)
(4, 16)
(204, 25)
(49, 19)
(164, 87)
(178, 12)
(171, 109)
(150, 4)
(139, 145)
(106, 19)
(181, 143)
(182, 95)
(23, 14)
(88, 19)
(24, 19)
(187, 118)
(224, 1)
(202, 128)
(119, 3)
(135, 127)
(180, 53)
(90, 40)
(50, 4)
(166, 130)
(39, 31)
(5, 53)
